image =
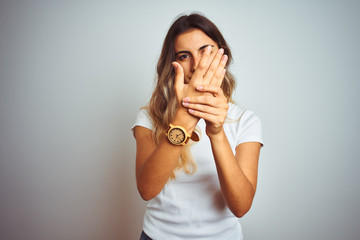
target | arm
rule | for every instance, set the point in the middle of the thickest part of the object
(155, 163)
(237, 174)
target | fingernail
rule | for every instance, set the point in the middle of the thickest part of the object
(191, 111)
(224, 71)
(221, 50)
(174, 65)
(199, 87)
(186, 104)
(208, 48)
(187, 99)
(224, 58)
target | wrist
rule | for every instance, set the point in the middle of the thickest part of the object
(184, 119)
(178, 135)
(216, 136)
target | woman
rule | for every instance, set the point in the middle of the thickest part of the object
(197, 189)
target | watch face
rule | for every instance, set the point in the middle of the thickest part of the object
(176, 136)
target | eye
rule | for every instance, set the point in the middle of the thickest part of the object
(183, 57)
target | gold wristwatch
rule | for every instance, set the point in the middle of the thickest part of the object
(177, 135)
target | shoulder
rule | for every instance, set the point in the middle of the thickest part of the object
(240, 114)
(143, 119)
(243, 124)
(143, 113)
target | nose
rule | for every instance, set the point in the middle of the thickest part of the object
(195, 63)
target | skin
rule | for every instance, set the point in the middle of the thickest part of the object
(199, 72)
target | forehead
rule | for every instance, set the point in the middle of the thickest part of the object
(192, 39)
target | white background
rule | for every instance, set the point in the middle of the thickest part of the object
(74, 74)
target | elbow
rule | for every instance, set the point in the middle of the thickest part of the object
(146, 193)
(147, 187)
(240, 210)
(146, 196)
(239, 213)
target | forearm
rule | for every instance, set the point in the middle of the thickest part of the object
(157, 165)
(156, 170)
(235, 186)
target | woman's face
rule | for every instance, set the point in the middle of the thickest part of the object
(189, 47)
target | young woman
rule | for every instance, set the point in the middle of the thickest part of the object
(197, 152)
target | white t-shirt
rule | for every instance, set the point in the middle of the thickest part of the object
(192, 206)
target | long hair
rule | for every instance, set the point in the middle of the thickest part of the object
(162, 106)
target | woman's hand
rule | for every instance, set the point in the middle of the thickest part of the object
(209, 101)
(210, 71)
(182, 117)
(203, 74)
(211, 107)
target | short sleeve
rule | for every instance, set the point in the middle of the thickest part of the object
(250, 128)
(142, 119)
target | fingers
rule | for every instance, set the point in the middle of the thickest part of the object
(211, 68)
(195, 102)
(215, 120)
(211, 107)
(215, 90)
(216, 99)
(219, 75)
(179, 81)
(216, 67)
(203, 108)
(214, 115)
(179, 76)
(203, 64)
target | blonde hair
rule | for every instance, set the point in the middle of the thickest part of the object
(162, 105)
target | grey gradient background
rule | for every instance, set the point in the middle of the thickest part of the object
(74, 74)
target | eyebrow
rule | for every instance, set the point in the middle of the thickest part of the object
(201, 48)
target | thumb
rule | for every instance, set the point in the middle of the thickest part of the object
(179, 76)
